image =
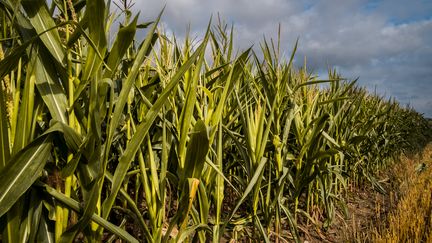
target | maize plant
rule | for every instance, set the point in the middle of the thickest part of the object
(104, 137)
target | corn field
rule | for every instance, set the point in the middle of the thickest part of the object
(104, 137)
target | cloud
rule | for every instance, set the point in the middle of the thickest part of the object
(400, 11)
(387, 43)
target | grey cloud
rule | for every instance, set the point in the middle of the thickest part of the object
(402, 10)
(388, 44)
(363, 38)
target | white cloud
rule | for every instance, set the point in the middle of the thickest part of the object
(386, 43)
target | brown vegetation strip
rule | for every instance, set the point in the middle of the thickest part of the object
(403, 214)
(411, 221)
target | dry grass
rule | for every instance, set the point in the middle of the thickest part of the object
(403, 214)
(411, 221)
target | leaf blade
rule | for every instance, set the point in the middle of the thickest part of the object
(18, 176)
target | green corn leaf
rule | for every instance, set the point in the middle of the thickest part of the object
(27, 166)
(127, 86)
(314, 82)
(204, 204)
(35, 215)
(221, 174)
(192, 229)
(333, 100)
(74, 205)
(45, 232)
(187, 111)
(197, 150)
(23, 125)
(122, 42)
(87, 214)
(95, 11)
(134, 208)
(251, 185)
(72, 138)
(330, 139)
(48, 86)
(292, 223)
(261, 228)
(142, 130)
(41, 21)
(231, 78)
(10, 62)
(357, 139)
(4, 138)
(219, 187)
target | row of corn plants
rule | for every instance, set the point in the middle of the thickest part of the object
(104, 137)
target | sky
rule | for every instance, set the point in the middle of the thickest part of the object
(387, 44)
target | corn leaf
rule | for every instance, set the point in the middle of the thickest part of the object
(27, 166)
(74, 205)
(48, 86)
(41, 21)
(122, 42)
(250, 186)
(4, 138)
(142, 130)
